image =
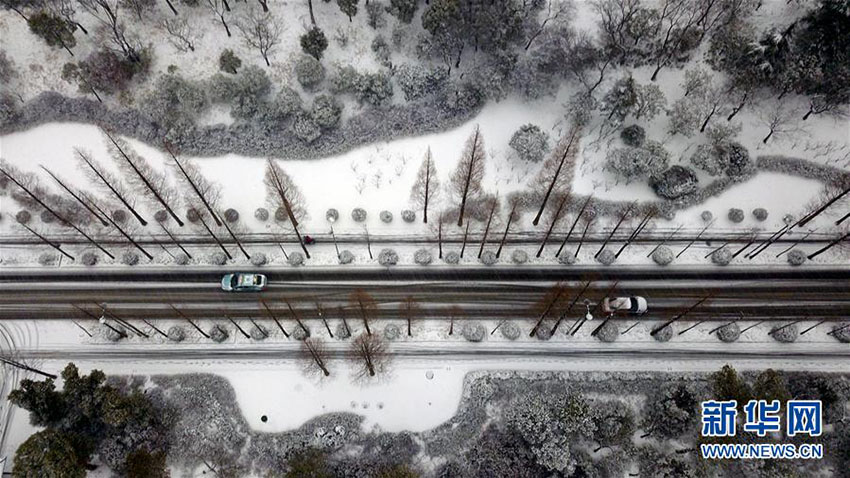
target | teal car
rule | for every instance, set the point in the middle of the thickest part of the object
(243, 282)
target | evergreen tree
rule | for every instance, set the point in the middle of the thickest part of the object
(54, 30)
(348, 7)
(48, 453)
(314, 42)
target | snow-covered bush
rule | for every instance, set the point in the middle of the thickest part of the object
(417, 81)
(392, 332)
(674, 183)
(181, 259)
(543, 332)
(295, 259)
(760, 214)
(346, 257)
(259, 259)
(519, 256)
(218, 334)
(47, 217)
(387, 257)
(160, 216)
(452, 258)
(218, 259)
(228, 62)
(89, 258)
(510, 330)
(47, 259)
(796, 257)
(488, 258)
(280, 214)
(665, 334)
(736, 158)
(634, 163)
(633, 135)
(735, 215)
(530, 142)
(245, 92)
(192, 215)
(381, 50)
(788, 219)
(374, 88)
(119, 216)
(722, 256)
(422, 257)
(286, 103)
(129, 258)
(408, 216)
(332, 215)
(176, 333)
(261, 214)
(309, 71)
(606, 257)
(326, 111)
(231, 215)
(473, 331)
(358, 214)
(663, 256)
(729, 333)
(609, 332)
(300, 333)
(305, 128)
(258, 332)
(706, 158)
(706, 216)
(386, 217)
(786, 334)
(175, 102)
(841, 332)
(567, 258)
(314, 42)
(375, 15)
(113, 334)
(342, 332)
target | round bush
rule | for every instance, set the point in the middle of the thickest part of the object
(663, 256)
(280, 214)
(452, 258)
(332, 215)
(633, 135)
(23, 217)
(388, 257)
(665, 334)
(606, 258)
(788, 219)
(300, 333)
(609, 332)
(408, 216)
(129, 258)
(231, 215)
(47, 259)
(737, 159)
(258, 332)
(386, 217)
(47, 217)
(192, 215)
(160, 216)
(261, 214)
(181, 259)
(841, 332)
(544, 332)
(422, 257)
(89, 258)
(675, 182)
(735, 215)
(568, 258)
(176, 333)
(342, 332)
(706, 216)
(488, 258)
(722, 256)
(473, 332)
(392, 332)
(218, 334)
(785, 334)
(358, 214)
(119, 216)
(729, 333)
(796, 257)
(760, 214)
(259, 259)
(218, 259)
(346, 257)
(510, 330)
(295, 259)
(530, 142)
(519, 256)
(309, 72)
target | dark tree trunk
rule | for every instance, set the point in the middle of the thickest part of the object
(171, 7)
(48, 242)
(465, 234)
(77, 197)
(555, 217)
(487, 228)
(114, 191)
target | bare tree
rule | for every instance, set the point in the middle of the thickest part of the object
(98, 174)
(555, 10)
(139, 7)
(366, 307)
(778, 118)
(198, 187)
(219, 8)
(492, 204)
(514, 201)
(370, 353)
(65, 10)
(557, 213)
(426, 189)
(410, 310)
(261, 31)
(106, 12)
(466, 180)
(281, 192)
(314, 350)
(558, 170)
(553, 300)
(181, 34)
(77, 197)
(677, 21)
(455, 313)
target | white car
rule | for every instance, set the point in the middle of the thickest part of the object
(632, 305)
(243, 282)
